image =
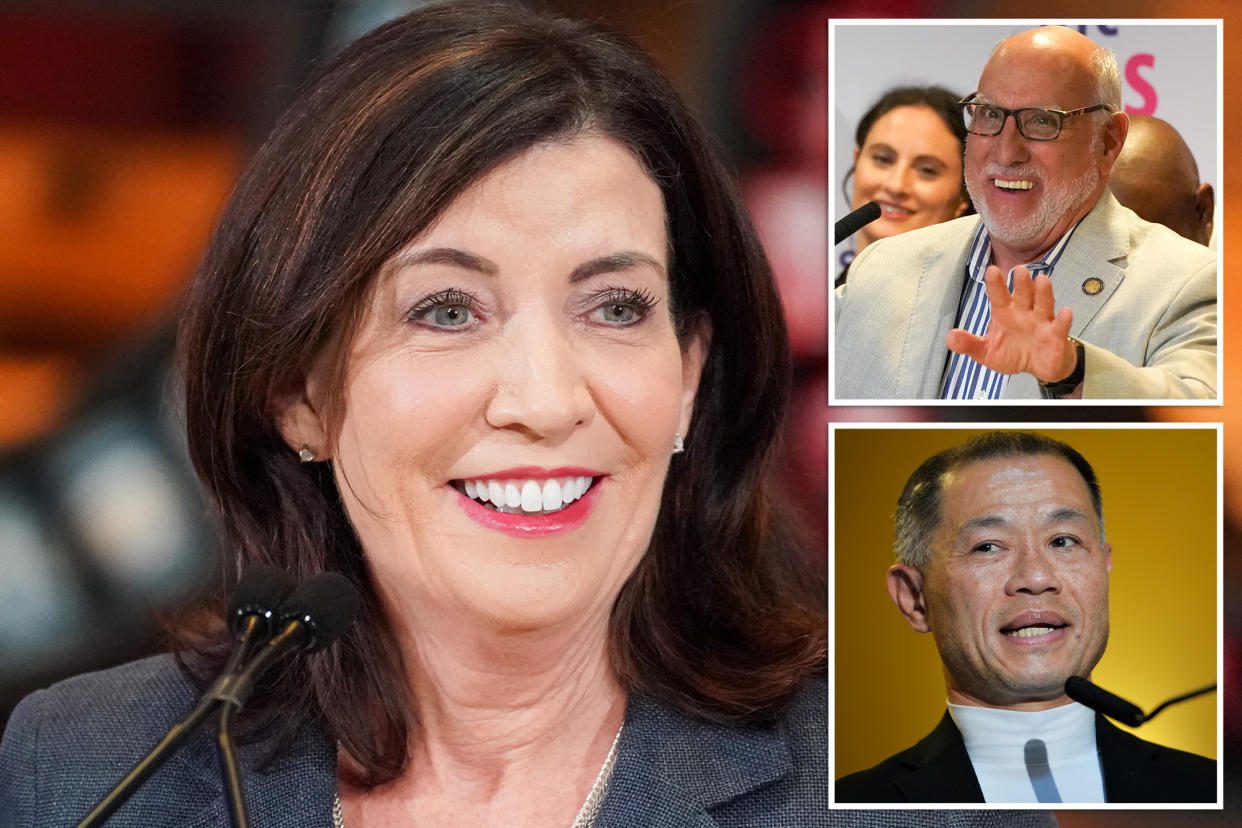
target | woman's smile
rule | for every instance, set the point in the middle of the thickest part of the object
(516, 494)
(529, 507)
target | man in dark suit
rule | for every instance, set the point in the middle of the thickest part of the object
(1002, 557)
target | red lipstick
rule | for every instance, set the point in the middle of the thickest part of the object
(533, 526)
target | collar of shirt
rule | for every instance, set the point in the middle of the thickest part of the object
(981, 255)
(997, 737)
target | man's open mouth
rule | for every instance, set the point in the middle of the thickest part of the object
(525, 496)
(1034, 623)
(1031, 632)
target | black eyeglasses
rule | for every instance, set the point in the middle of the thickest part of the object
(1034, 124)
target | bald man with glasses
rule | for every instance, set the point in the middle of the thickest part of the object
(1054, 290)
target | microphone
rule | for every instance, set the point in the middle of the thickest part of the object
(313, 614)
(1117, 708)
(316, 612)
(1102, 701)
(260, 592)
(855, 221)
(252, 615)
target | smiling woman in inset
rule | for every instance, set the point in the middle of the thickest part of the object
(486, 329)
(908, 159)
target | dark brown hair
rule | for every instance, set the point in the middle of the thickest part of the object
(721, 618)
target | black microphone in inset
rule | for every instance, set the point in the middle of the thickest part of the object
(1115, 707)
(853, 222)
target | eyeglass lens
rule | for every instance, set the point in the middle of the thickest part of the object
(1038, 124)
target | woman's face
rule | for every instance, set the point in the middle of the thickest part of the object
(520, 351)
(911, 164)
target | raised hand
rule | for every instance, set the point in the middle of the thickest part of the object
(1024, 334)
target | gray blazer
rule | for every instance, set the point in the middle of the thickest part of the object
(65, 747)
(1143, 297)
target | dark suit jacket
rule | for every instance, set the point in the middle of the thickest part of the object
(938, 769)
(64, 748)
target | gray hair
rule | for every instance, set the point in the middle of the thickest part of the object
(1107, 78)
(918, 508)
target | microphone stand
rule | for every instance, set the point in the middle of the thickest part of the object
(231, 693)
(315, 613)
(1113, 706)
(176, 736)
(229, 769)
(1180, 698)
(150, 764)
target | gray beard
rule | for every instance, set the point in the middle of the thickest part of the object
(1052, 206)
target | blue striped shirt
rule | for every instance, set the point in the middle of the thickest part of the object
(965, 379)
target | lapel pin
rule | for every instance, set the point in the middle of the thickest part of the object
(1092, 285)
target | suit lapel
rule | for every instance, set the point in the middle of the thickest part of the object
(1088, 272)
(933, 312)
(671, 769)
(1085, 276)
(939, 768)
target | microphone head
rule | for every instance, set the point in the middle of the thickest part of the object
(261, 590)
(325, 604)
(853, 222)
(869, 212)
(1102, 701)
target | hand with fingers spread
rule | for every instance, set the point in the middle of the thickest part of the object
(1024, 334)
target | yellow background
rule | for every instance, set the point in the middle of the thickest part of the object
(1159, 493)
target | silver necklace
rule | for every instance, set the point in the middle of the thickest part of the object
(586, 814)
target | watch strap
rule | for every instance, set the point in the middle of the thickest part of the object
(1067, 385)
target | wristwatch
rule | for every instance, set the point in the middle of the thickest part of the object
(1065, 386)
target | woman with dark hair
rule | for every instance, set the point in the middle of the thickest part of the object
(908, 159)
(485, 329)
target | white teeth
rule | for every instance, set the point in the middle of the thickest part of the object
(551, 496)
(534, 496)
(1029, 632)
(1013, 185)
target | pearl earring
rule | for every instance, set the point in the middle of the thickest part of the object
(306, 455)
(679, 445)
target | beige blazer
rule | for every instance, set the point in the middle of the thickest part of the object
(1148, 324)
